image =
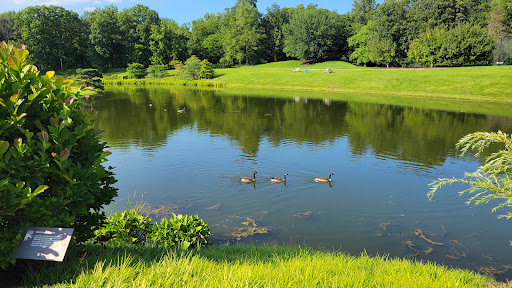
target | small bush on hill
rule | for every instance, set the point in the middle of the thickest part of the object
(90, 76)
(156, 71)
(51, 171)
(206, 71)
(191, 69)
(136, 70)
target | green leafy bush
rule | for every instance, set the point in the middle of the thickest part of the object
(136, 70)
(132, 227)
(181, 231)
(51, 171)
(128, 227)
(156, 71)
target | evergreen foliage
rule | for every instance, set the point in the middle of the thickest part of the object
(490, 181)
(191, 69)
(206, 71)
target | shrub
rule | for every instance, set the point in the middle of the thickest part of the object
(181, 231)
(128, 227)
(191, 68)
(156, 71)
(206, 71)
(136, 70)
(90, 76)
(132, 227)
(225, 62)
(51, 171)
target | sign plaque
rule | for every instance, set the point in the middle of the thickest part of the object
(43, 243)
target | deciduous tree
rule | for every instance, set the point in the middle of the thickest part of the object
(168, 42)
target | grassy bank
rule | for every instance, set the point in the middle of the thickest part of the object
(490, 83)
(486, 83)
(239, 266)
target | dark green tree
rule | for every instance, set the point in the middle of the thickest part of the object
(387, 43)
(466, 45)
(205, 37)
(7, 30)
(55, 36)
(135, 26)
(433, 13)
(361, 11)
(273, 23)
(316, 34)
(106, 40)
(242, 33)
(168, 42)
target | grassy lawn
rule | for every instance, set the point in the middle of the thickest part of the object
(415, 87)
(239, 266)
(486, 83)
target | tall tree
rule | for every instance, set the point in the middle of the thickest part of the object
(497, 19)
(359, 42)
(316, 34)
(273, 23)
(135, 25)
(433, 13)
(205, 37)
(387, 43)
(105, 38)
(7, 26)
(54, 35)
(425, 49)
(168, 42)
(243, 33)
(361, 10)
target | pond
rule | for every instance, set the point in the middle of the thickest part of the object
(382, 156)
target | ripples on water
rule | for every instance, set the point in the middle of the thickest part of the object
(382, 157)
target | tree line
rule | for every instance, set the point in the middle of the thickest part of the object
(402, 33)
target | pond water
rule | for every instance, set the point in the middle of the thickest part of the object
(383, 157)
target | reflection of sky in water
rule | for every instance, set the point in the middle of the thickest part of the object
(377, 201)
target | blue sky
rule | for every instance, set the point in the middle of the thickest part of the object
(181, 11)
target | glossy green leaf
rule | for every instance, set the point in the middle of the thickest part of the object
(4, 145)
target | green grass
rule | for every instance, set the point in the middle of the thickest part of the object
(485, 83)
(239, 266)
(489, 83)
(291, 64)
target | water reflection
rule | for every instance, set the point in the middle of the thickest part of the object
(382, 157)
(409, 134)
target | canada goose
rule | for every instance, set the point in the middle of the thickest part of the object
(181, 110)
(324, 179)
(278, 180)
(249, 179)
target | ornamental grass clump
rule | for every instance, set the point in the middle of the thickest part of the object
(51, 157)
